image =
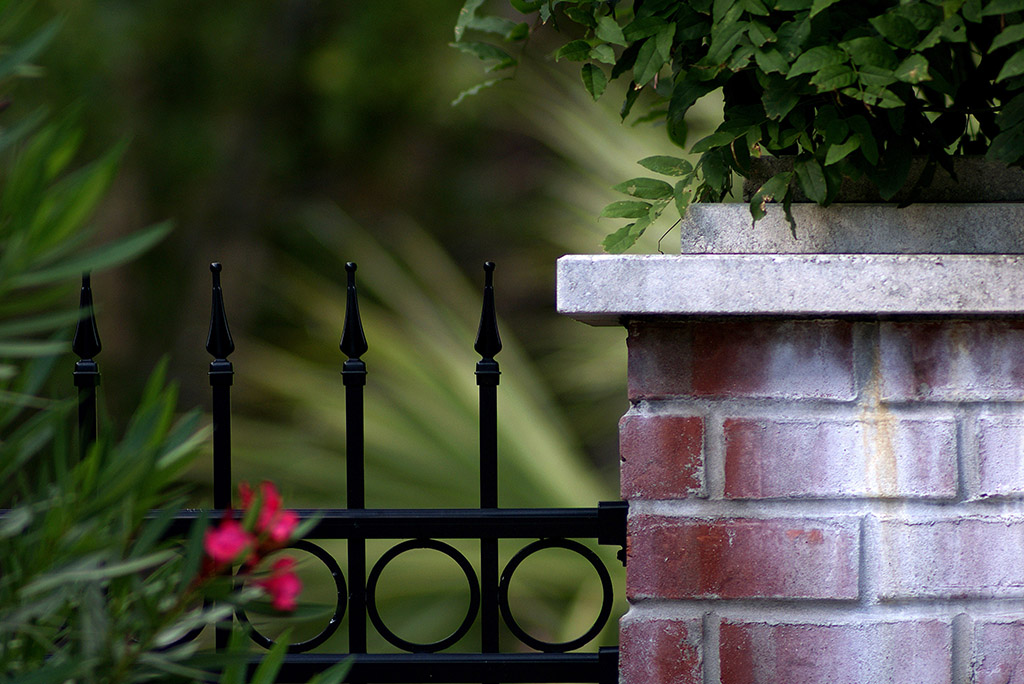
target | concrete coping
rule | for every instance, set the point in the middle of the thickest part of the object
(611, 289)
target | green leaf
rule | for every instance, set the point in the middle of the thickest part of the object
(466, 15)
(682, 194)
(913, 69)
(594, 80)
(525, 7)
(632, 92)
(819, 5)
(485, 52)
(759, 34)
(266, 672)
(1011, 113)
(653, 55)
(643, 27)
(1007, 147)
(603, 53)
(771, 60)
(896, 29)
(1003, 7)
(102, 257)
(870, 51)
(717, 139)
(625, 237)
(626, 209)
(1011, 34)
(816, 59)
(756, 7)
(669, 166)
(837, 153)
(609, 31)
(576, 51)
(469, 92)
(645, 188)
(834, 77)
(812, 179)
(774, 188)
(29, 49)
(780, 97)
(1014, 66)
(507, 29)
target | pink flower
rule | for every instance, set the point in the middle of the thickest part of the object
(283, 585)
(277, 524)
(225, 543)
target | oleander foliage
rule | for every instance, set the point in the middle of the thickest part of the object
(848, 88)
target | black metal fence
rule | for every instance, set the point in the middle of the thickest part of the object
(418, 528)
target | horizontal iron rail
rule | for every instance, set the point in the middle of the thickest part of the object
(606, 523)
(459, 667)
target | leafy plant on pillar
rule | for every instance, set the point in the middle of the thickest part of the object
(848, 89)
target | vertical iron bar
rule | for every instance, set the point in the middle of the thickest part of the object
(219, 344)
(488, 344)
(353, 375)
(86, 346)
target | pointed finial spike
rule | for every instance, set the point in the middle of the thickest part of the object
(353, 340)
(218, 342)
(488, 341)
(86, 343)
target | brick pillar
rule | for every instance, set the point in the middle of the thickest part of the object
(825, 475)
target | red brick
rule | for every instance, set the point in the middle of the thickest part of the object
(791, 359)
(660, 651)
(998, 652)
(917, 651)
(729, 558)
(722, 359)
(662, 456)
(969, 557)
(952, 360)
(825, 457)
(1001, 456)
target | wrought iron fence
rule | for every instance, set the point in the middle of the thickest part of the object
(418, 528)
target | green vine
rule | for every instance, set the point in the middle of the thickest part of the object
(847, 88)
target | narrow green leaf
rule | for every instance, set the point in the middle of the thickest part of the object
(486, 52)
(28, 349)
(645, 188)
(576, 51)
(466, 15)
(626, 209)
(669, 166)
(812, 179)
(102, 257)
(29, 49)
(594, 80)
(469, 92)
(266, 672)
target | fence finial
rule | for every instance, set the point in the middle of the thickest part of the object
(218, 343)
(353, 341)
(488, 341)
(86, 344)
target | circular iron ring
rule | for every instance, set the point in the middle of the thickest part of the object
(606, 598)
(371, 595)
(339, 608)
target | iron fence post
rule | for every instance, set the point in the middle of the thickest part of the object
(353, 376)
(219, 345)
(86, 345)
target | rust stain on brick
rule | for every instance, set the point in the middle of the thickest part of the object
(877, 425)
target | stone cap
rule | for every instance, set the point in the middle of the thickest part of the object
(611, 289)
(996, 228)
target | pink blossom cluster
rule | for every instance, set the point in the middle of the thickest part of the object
(265, 527)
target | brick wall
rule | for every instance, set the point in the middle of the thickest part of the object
(825, 501)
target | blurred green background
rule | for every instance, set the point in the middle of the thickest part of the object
(285, 138)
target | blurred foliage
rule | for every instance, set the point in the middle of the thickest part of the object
(288, 137)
